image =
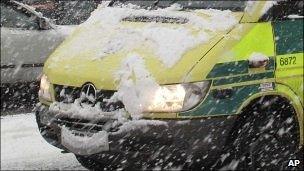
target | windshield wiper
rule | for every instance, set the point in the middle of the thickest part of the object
(111, 3)
(173, 1)
(155, 4)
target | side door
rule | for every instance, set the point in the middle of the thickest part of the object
(24, 46)
(287, 23)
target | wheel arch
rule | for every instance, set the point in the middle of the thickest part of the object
(284, 93)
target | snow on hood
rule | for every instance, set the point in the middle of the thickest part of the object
(168, 41)
(136, 85)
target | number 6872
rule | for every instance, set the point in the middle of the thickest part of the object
(288, 60)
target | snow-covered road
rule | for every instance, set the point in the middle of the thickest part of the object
(22, 147)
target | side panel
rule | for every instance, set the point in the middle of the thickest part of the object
(289, 54)
(227, 66)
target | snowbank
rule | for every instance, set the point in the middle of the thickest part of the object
(23, 148)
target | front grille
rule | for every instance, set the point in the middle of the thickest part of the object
(68, 94)
(83, 125)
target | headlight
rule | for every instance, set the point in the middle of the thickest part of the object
(44, 91)
(178, 97)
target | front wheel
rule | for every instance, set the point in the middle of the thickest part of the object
(266, 137)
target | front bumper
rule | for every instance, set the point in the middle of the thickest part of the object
(180, 138)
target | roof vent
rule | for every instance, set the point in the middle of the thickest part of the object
(158, 19)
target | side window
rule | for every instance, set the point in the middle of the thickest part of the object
(287, 23)
(284, 10)
(15, 17)
(289, 36)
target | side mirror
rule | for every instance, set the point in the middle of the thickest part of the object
(258, 60)
(44, 24)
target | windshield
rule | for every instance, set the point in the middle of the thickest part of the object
(74, 12)
(65, 12)
(236, 5)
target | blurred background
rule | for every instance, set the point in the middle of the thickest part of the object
(20, 72)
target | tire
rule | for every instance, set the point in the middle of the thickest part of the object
(266, 137)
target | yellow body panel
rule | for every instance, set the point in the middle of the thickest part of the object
(290, 72)
(237, 44)
(87, 67)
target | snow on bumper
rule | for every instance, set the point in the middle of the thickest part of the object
(205, 136)
(84, 143)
